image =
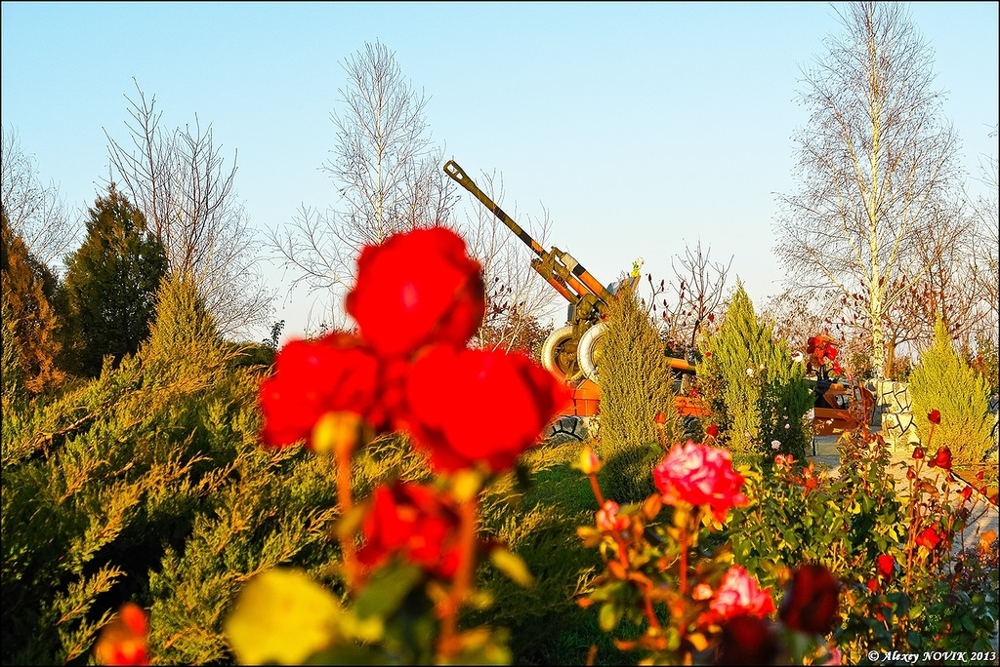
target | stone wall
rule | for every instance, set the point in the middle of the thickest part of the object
(894, 413)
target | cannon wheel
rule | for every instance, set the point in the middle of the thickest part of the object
(589, 351)
(559, 353)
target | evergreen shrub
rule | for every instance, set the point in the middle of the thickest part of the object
(752, 386)
(943, 381)
(636, 384)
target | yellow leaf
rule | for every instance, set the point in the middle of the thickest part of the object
(281, 616)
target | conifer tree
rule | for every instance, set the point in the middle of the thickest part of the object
(752, 386)
(943, 381)
(636, 384)
(111, 283)
(32, 321)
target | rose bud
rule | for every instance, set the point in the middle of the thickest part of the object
(886, 565)
(934, 417)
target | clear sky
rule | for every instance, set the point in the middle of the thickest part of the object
(639, 127)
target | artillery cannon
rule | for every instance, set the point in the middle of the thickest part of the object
(573, 350)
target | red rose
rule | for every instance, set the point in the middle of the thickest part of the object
(966, 493)
(414, 522)
(417, 288)
(929, 538)
(336, 373)
(747, 640)
(831, 352)
(123, 641)
(449, 392)
(918, 452)
(942, 459)
(700, 475)
(934, 417)
(660, 419)
(738, 595)
(885, 564)
(872, 585)
(712, 430)
(811, 601)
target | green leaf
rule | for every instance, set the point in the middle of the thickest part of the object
(387, 590)
(513, 566)
(281, 616)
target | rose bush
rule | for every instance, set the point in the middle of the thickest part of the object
(688, 604)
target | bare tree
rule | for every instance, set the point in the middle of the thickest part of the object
(699, 288)
(873, 162)
(384, 167)
(181, 183)
(34, 211)
(985, 272)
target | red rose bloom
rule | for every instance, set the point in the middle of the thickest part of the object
(417, 288)
(448, 392)
(934, 417)
(747, 640)
(336, 373)
(712, 430)
(123, 641)
(918, 452)
(700, 475)
(872, 585)
(414, 522)
(929, 538)
(885, 564)
(811, 601)
(942, 459)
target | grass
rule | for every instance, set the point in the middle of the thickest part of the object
(538, 522)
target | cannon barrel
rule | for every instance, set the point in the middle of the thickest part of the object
(452, 169)
(559, 268)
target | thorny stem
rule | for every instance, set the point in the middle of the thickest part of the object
(448, 644)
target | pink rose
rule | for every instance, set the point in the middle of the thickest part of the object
(608, 519)
(700, 475)
(739, 595)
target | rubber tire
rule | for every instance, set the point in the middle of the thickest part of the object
(550, 353)
(586, 352)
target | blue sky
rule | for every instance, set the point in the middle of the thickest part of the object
(639, 127)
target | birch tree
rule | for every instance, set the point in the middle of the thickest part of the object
(874, 162)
